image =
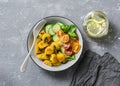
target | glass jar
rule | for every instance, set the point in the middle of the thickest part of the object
(96, 24)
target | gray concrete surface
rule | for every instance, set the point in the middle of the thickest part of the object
(17, 18)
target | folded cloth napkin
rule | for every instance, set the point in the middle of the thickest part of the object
(96, 70)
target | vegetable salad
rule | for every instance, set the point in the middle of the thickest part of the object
(57, 44)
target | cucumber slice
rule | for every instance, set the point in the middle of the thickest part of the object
(55, 37)
(62, 49)
(48, 27)
(56, 27)
(51, 32)
(60, 23)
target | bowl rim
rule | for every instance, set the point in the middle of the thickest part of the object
(31, 31)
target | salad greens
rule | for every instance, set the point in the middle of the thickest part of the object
(72, 34)
(70, 29)
(70, 57)
(65, 28)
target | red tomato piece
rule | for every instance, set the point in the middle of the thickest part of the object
(66, 45)
(68, 53)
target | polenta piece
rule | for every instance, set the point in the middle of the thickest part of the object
(37, 50)
(42, 45)
(38, 40)
(56, 45)
(46, 37)
(53, 59)
(57, 64)
(42, 56)
(49, 50)
(47, 62)
(41, 34)
(61, 57)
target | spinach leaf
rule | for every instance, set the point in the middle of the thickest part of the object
(70, 57)
(65, 28)
(72, 26)
(72, 34)
(72, 29)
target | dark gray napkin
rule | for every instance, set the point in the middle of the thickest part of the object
(96, 70)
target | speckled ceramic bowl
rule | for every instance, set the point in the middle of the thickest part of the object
(40, 63)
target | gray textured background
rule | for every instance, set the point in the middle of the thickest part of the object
(17, 18)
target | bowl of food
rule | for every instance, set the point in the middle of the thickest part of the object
(58, 46)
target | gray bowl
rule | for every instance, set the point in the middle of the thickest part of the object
(53, 19)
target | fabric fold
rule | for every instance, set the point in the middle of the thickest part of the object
(96, 70)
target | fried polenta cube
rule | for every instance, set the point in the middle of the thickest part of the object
(48, 62)
(42, 45)
(49, 50)
(53, 58)
(61, 57)
(42, 56)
